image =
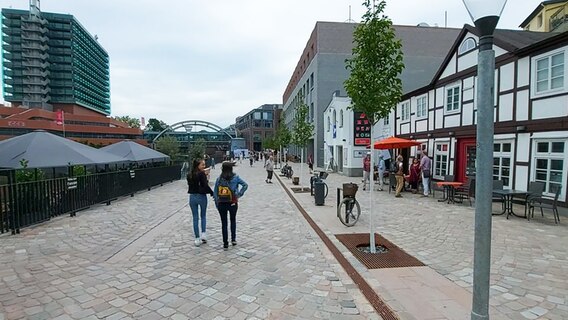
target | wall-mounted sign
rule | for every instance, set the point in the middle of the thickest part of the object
(132, 174)
(359, 153)
(71, 183)
(361, 129)
(16, 124)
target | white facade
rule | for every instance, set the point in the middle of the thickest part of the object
(339, 139)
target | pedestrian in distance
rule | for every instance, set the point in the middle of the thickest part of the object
(425, 167)
(367, 171)
(251, 160)
(311, 163)
(229, 187)
(381, 168)
(399, 174)
(198, 189)
(414, 176)
(269, 165)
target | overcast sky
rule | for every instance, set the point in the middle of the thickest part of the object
(216, 60)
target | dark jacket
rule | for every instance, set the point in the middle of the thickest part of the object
(198, 184)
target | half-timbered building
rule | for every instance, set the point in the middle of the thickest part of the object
(531, 110)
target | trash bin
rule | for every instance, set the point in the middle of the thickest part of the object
(319, 192)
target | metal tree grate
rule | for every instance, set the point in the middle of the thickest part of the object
(395, 257)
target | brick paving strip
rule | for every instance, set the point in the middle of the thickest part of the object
(378, 304)
(135, 259)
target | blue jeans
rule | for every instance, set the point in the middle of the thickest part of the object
(198, 201)
(231, 210)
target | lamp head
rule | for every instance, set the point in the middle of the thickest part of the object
(485, 14)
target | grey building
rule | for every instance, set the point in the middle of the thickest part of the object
(321, 70)
(258, 124)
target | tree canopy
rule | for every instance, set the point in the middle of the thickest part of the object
(168, 145)
(131, 122)
(156, 125)
(303, 130)
(374, 84)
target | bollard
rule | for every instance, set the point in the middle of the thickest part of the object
(319, 193)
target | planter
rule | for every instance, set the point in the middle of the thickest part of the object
(296, 180)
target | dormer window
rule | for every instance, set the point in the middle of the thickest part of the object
(467, 45)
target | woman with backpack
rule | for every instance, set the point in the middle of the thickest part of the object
(198, 190)
(226, 194)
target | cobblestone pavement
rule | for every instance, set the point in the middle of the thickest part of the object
(529, 272)
(136, 259)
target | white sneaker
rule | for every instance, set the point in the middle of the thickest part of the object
(204, 237)
(197, 242)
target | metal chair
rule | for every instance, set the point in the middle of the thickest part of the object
(467, 191)
(536, 188)
(539, 202)
(498, 185)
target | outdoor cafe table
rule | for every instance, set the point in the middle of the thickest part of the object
(450, 187)
(508, 195)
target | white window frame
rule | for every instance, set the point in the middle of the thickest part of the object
(437, 164)
(405, 111)
(504, 154)
(467, 45)
(422, 108)
(534, 66)
(550, 156)
(448, 88)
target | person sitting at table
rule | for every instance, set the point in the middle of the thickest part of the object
(414, 176)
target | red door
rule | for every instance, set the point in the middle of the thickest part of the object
(465, 162)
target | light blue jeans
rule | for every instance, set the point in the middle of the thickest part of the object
(426, 185)
(198, 204)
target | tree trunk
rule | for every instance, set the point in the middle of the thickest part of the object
(301, 165)
(371, 190)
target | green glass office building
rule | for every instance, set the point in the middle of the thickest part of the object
(50, 59)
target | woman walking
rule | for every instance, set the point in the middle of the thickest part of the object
(269, 170)
(198, 190)
(227, 193)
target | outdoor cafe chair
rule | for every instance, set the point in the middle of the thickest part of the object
(542, 203)
(498, 185)
(467, 191)
(536, 188)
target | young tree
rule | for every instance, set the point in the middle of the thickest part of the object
(131, 122)
(168, 145)
(374, 84)
(302, 132)
(155, 125)
(197, 149)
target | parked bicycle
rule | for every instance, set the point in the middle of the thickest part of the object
(319, 177)
(349, 210)
(287, 171)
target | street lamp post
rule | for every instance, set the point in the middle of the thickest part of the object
(485, 15)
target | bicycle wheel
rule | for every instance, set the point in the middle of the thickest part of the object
(349, 211)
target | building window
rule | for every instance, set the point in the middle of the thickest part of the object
(421, 107)
(467, 45)
(549, 73)
(341, 118)
(539, 21)
(502, 159)
(549, 164)
(311, 112)
(405, 111)
(334, 119)
(441, 156)
(328, 123)
(257, 115)
(386, 121)
(453, 99)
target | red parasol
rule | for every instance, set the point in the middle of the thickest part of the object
(395, 143)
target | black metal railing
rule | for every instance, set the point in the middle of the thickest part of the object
(23, 204)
